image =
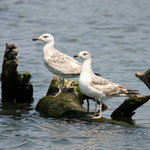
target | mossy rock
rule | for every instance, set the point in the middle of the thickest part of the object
(67, 104)
(63, 105)
(69, 87)
(15, 88)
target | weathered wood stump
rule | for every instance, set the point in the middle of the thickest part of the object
(15, 88)
(128, 107)
(145, 77)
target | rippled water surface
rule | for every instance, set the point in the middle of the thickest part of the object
(115, 32)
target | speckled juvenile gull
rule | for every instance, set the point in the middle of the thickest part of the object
(57, 62)
(96, 86)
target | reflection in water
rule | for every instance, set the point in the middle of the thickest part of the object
(14, 109)
(126, 120)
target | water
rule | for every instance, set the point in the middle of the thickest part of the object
(116, 33)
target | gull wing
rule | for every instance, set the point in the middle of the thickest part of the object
(64, 64)
(107, 87)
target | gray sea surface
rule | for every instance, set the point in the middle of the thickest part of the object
(115, 32)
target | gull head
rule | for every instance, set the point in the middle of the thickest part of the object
(47, 38)
(83, 55)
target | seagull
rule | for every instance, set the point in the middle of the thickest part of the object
(57, 62)
(97, 87)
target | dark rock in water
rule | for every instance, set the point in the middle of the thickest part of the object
(15, 88)
(63, 105)
(67, 104)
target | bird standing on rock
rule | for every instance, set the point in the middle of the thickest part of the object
(97, 87)
(57, 62)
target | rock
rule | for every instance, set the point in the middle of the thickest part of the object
(70, 87)
(69, 103)
(64, 105)
(15, 88)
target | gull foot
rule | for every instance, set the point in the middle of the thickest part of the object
(57, 94)
(96, 117)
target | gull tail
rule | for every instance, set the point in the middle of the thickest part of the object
(132, 92)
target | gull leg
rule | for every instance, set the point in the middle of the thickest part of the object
(100, 111)
(95, 107)
(62, 84)
(60, 87)
(88, 105)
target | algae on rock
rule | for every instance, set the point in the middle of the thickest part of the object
(67, 104)
(70, 87)
(63, 105)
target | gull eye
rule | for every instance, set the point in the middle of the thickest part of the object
(45, 36)
(84, 54)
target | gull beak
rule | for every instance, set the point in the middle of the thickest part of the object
(35, 39)
(76, 55)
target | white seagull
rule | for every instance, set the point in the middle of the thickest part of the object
(97, 87)
(57, 62)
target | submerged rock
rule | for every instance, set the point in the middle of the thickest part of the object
(15, 88)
